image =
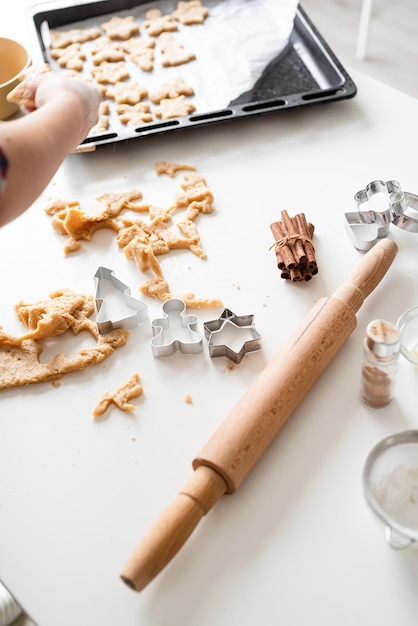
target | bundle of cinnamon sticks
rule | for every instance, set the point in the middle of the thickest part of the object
(294, 249)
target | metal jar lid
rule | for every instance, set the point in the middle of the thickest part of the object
(382, 338)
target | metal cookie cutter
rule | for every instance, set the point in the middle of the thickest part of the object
(105, 276)
(363, 236)
(367, 225)
(221, 332)
(396, 202)
(175, 331)
(406, 220)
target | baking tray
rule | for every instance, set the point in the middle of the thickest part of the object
(305, 72)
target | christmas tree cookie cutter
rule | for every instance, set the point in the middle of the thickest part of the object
(106, 280)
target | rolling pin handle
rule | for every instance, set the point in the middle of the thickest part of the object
(174, 527)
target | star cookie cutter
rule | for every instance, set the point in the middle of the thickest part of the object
(175, 331)
(228, 327)
(106, 281)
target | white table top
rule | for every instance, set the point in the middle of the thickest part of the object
(296, 543)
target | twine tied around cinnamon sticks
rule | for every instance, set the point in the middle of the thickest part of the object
(295, 252)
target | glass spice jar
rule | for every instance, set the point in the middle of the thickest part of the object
(380, 363)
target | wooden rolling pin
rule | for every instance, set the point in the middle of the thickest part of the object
(243, 437)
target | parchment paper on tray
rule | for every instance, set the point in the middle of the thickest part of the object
(236, 44)
(232, 47)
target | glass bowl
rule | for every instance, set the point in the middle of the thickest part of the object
(390, 483)
(407, 325)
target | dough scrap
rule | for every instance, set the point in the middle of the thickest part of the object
(72, 221)
(196, 196)
(170, 168)
(69, 219)
(48, 318)
(143, 241)
(121, 397)
(65, 310)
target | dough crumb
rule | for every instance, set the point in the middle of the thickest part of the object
(121, 397)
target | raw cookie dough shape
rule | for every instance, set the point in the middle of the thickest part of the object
(20, 356)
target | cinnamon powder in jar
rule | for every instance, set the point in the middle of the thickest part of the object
(380, 363)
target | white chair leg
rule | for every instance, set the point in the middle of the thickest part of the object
(363, 32)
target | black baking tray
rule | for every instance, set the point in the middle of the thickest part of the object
(305, 73)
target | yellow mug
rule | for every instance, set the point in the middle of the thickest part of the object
(14, 59)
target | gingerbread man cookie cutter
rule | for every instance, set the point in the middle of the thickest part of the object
(175, 331)
(221, 332)
(367, 225)
(395, 205)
